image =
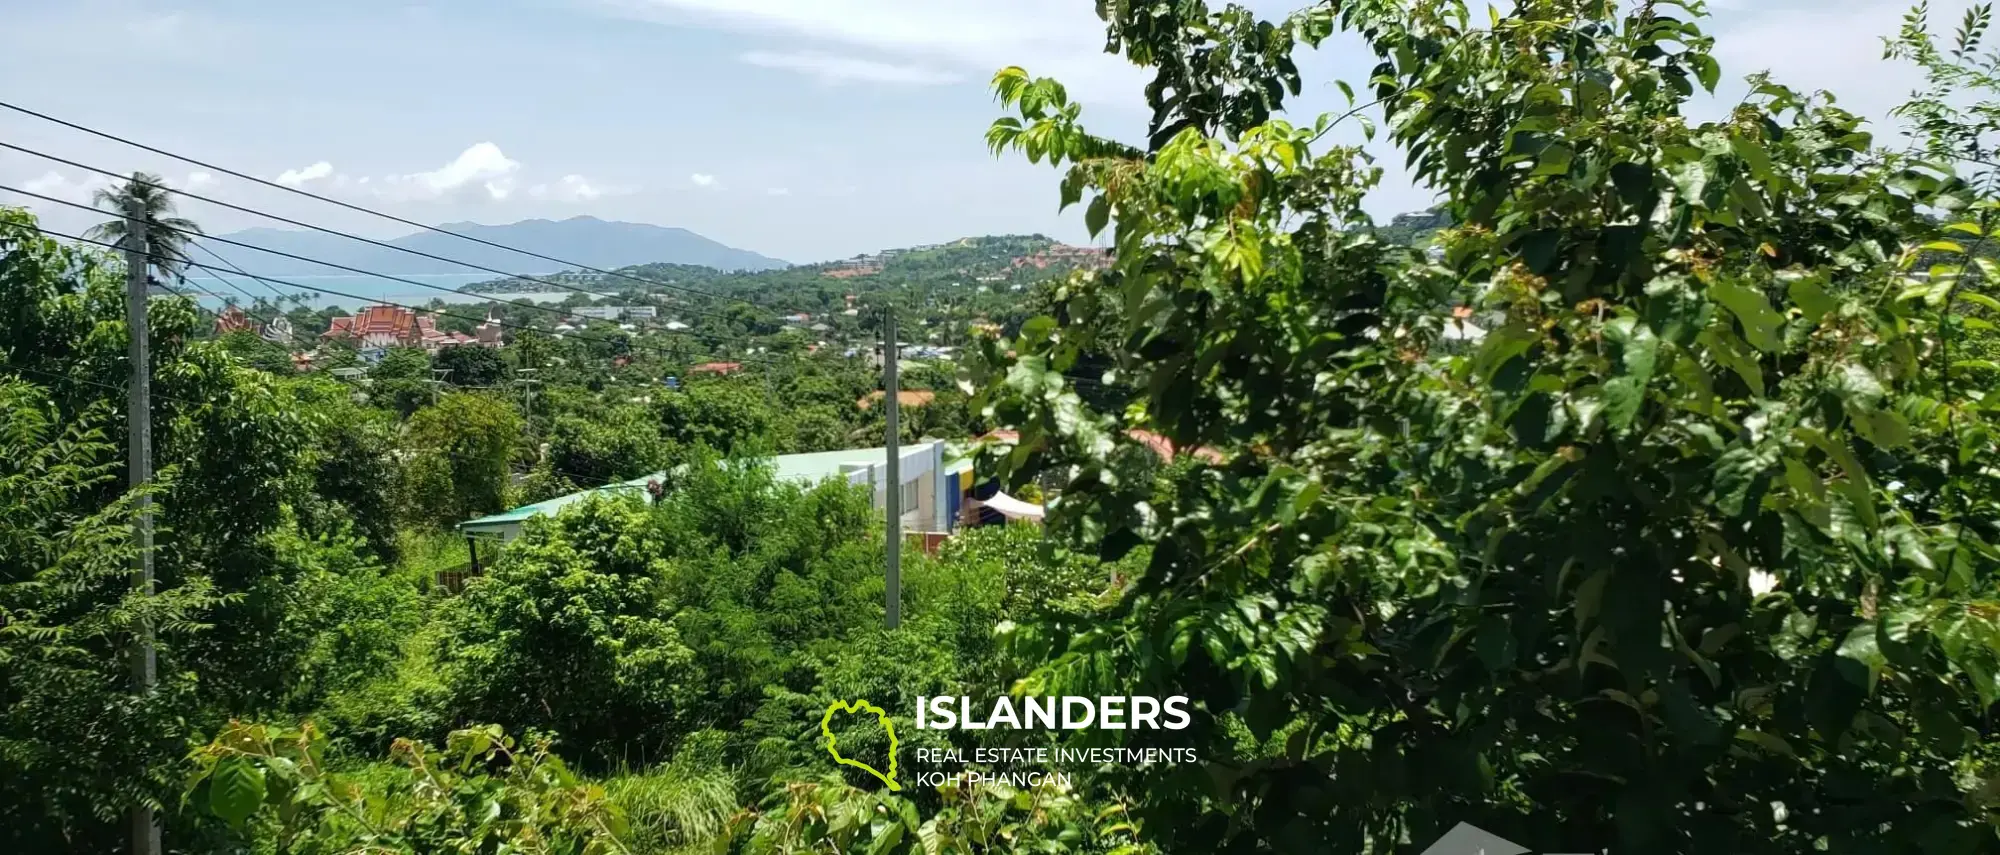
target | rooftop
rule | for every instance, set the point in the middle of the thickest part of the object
(798, 468)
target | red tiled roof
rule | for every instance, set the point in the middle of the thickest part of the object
(716, 368)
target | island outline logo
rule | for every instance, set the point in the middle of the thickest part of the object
(833, 742)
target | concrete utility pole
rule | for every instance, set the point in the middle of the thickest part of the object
(524, 377)
(891, 401)
(145, 827)
(437, 382)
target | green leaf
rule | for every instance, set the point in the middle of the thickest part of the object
(236, 789)
(1807, 293)
(1740, 476)
(1760, 321)
(1883, 429)
(1861, 646)
(1857, 486)
(1729, 350)
(1494, 643)
(1706, 70)
(1554, 160)
(1538, 250)
(1098, 214)
(1037, 330)
(1691, 180)
(1639, 353)
(1753, 155)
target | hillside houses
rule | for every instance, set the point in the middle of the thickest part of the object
(614, 313)
(1064, 254)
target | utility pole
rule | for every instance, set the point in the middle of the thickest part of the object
(437, 382)
(891, 353)
(525, 378)
(145, 828)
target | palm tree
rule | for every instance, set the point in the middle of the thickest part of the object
(167, 236)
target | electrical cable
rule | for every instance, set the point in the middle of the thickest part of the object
(348, 205)
(354, 237)
(212, 271)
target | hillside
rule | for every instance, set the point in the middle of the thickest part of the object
(585, 240)
(989, 259)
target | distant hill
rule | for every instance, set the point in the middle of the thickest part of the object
(988, 259)
(584, 240)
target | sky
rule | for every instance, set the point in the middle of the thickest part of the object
(806, 130)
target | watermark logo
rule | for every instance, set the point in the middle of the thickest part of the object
(833, 743)
(1468, 839)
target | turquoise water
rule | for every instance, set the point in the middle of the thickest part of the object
(354, 290)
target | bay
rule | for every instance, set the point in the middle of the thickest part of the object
(352, 291)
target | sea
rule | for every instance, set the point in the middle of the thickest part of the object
(351, 291)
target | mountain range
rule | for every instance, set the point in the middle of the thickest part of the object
(583, 240)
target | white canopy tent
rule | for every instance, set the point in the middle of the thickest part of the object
(1013, 508)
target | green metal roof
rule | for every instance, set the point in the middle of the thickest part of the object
(805, 468)
(524, 512)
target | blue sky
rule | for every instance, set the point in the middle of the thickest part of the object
(802, 129)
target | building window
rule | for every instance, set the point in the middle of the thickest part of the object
(909, 496)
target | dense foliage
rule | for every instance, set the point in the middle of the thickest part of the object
(1693, 552)
(1691, 548)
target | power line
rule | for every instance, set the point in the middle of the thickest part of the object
(354, 237)
(669, 353)
(350, 206)
(214, 272)
(198, 236)
(279, 295)
(89, 382)
(183, 294)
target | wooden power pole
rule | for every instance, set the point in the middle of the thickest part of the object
(891, 399)
(139, 420)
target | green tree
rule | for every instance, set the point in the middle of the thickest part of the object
(572, 632)
(459, 458)
(167, 237)
(614, 444)
(727, 415)
(257, 353)
(232, 570)
(482, 792)
(72, 737)
(471, 366)
(1685, 555)
(401, 381)
(351, 456)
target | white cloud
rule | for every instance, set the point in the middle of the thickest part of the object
(575, 188)
(972, 38)
(702, 179)
(198, 179)
(63, 187)
(832, 69)
(296, 178)
(481, 172)
(778, 191)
